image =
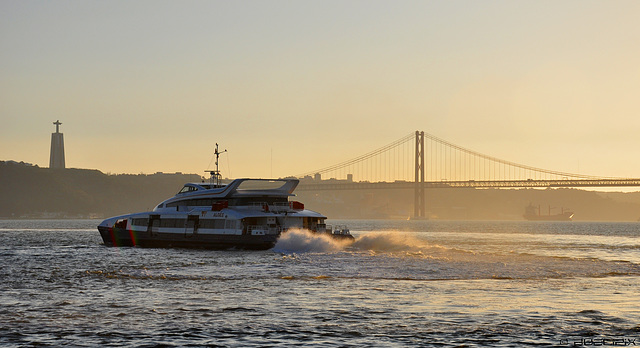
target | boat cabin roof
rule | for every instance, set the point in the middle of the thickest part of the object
(242, 187)
(239, 188)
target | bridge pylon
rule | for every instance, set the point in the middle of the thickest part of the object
(419, 211)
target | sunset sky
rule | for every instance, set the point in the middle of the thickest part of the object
(292, 86)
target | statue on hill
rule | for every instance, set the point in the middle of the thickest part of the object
(56, 158)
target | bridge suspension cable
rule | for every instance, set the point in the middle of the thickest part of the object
(444, 161)
(476, 158)
(380, 152)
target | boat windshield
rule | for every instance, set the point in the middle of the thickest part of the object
(196, 187)
(188, 188)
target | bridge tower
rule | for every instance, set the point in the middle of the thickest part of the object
(419, 205)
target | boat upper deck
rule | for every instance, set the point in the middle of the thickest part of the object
(238, 191)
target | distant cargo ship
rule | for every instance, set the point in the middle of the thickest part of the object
(533, 214)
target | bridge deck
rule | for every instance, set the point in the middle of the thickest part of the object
(469, 184)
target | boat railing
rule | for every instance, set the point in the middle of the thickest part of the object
(279, 207)
(341, 230)
(255, 206)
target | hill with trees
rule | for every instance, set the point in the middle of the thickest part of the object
(31, 191)
(475, 204)
(28, 191)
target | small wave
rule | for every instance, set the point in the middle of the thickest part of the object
(238, 309)
(320, 277)
(393, 242)
(145, 274)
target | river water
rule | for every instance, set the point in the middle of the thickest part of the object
(401, 283)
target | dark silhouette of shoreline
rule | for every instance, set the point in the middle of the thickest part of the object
(28, 191)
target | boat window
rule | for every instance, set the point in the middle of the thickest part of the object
(175, 223)
(212, 224)
(188, 189)
(203, 202)
(122, 223)
(264, 199)
(140, 222)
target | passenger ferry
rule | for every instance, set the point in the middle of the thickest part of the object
(244, 214)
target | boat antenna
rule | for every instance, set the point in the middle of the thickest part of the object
(215, 174)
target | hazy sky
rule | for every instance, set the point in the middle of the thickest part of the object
(291, 86)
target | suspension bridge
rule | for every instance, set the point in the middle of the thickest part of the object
(420, 161)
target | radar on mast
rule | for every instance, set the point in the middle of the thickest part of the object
(215, 174)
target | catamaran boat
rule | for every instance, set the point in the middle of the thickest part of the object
(244, 214)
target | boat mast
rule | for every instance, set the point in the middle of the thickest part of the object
(215, 174)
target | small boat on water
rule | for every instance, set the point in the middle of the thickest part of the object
(244, 214)
(340, 232)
